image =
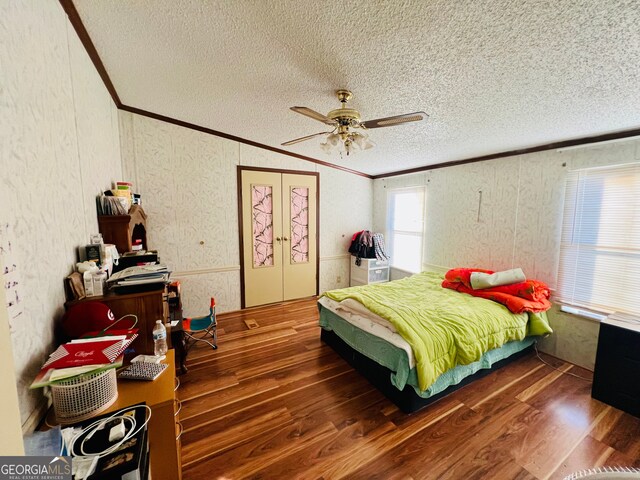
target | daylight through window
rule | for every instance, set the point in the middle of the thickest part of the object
(600, 247)
(405, 228)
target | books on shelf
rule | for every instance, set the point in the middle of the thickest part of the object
(111, 205)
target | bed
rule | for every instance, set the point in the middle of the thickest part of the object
(417, 342)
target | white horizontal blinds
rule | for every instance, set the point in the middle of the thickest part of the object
(600, 248)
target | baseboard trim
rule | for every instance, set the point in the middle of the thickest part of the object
(37, 415)
(435, 268)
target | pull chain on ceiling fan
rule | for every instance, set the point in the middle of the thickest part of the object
(346, 122)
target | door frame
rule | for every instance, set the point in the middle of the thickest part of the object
(240, 169)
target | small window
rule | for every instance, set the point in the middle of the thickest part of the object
(405, 228)
(600, 247)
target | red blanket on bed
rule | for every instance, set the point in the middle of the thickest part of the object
(527, 296)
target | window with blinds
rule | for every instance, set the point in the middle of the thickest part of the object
(600, 248)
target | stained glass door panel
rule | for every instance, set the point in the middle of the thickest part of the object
(262, 225)
(299, 197)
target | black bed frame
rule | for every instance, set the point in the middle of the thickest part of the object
(407, 399)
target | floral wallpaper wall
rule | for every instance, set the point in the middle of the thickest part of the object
(60, 147)
(502, 213)
(507, 213)
(188, 184)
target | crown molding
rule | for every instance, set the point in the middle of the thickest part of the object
(78, 26)
(576, 142)
(83, 35)
(234, 138)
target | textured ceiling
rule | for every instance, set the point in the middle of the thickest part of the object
(492, 75)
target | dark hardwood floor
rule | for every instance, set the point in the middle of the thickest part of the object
(275, 402)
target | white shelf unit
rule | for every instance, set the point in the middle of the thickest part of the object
(369, 271)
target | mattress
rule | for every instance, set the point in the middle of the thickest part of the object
(357, 315)
(370, 337)
(444, 328)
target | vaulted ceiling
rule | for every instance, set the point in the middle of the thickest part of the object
(494, 75)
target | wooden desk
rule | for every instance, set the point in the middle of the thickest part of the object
(164, 425)
(165, 429)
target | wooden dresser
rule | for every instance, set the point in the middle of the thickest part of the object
(165, 428)
(617, 370)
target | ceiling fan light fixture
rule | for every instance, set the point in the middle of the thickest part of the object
(326, 148)
(348, 147)
(346, 144)
(362, 141)
(333, 139)
(346, 136)
(331, 143)
(368, 144)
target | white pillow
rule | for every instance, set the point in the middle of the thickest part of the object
(481, 280)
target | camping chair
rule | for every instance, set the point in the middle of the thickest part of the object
(201, 329)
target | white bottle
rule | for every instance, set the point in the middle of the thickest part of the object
(99, 282)
(159, 339)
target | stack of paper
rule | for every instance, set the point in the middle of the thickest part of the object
(84, 355)
(110, 205)
(140, 275)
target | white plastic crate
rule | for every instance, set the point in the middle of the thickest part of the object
(369, 271)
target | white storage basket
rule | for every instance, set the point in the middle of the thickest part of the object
(84, 396)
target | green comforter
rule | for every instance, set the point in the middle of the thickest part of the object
(445, 328)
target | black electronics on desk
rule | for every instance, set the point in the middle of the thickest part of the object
(131, 459)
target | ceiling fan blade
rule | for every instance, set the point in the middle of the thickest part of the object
(315, 115)
(302, 139)
(393, 121)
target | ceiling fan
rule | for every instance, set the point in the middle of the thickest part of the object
(348, 129)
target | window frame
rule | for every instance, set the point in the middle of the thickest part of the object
(389, 233)
(571, 244)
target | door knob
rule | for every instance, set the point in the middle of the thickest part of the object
(279, 239)
(285, 239)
